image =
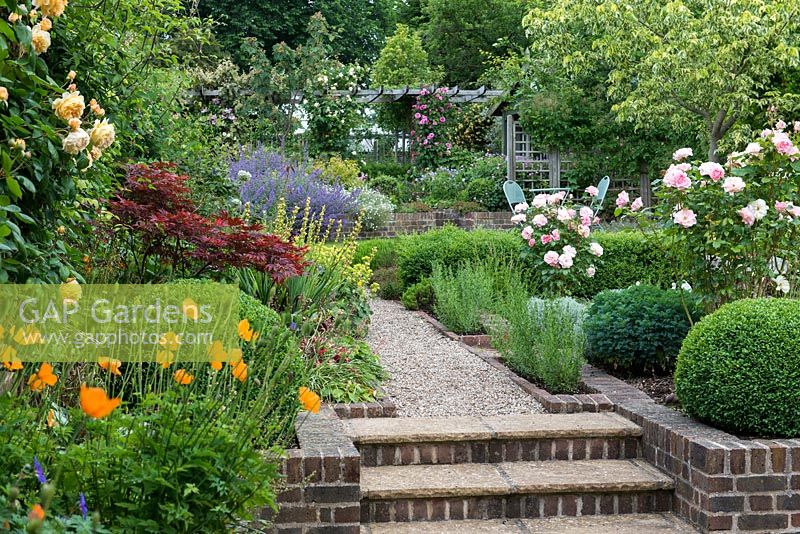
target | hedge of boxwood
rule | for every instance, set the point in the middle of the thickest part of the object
(739, 368)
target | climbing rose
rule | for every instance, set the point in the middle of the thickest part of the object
(759, 208)
(685, 218)
(748, 215)
(69, 106)
(784, 145)
(622, 199)
(733, 184)
(102, 134)
(76, 141)
(781, 206)
(565, 261)
(583, 231)
(637, 204)
(551, 258)
(570, 251)
(712, 170)
(527, 233)
(590, 271)
(596, 249)
(682, 153)
(521, 207)
(539, 220)
(592, 191)
(540, 200)
(40, 39)
(519, 218)
(752, 149)
(676, 177)
(51, 8)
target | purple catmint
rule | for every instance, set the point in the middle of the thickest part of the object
(263, 177)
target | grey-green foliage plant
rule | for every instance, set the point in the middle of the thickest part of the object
(542, 340)
(462, 296)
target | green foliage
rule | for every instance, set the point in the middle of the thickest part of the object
(336, 170)
(387, 251)
(739, 368)
(374, 169)
(542, 341)
(395, 188)
(679, 62)
(386, 278)
(419, 296)
(628, 257)
(450, 247)
(639, 330)
(460, 34)
(462, 296)
(484, 183)
(346, 370)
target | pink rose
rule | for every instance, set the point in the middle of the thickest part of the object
(765, 133)
(584, 231)
(677, 178)
(622, 199)
(795, 211)
(596, 249)
(586, 212)
(522, 207)
(733, 184)
(527, 233)
(685, 218)
(565, 261)
(555, 234)
(781, 206)
(590, 271)
(784, 145)
(780, 125)
(531, 243)
(519, 218)
(748, 215)
(540, 200)
(592, 191)
(637, 204)
(556, 198)
(551, 258)
(712, 170)
(546, 238)
(682, 153)
(752, 149)
(563, 214)
(539, 220)
(570, 251)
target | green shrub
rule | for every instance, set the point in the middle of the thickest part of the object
(541, 340)
(395, 188)
(628, 258)
(639, 329)
(484, 183)
(340, 171)
(462, 296)
(346, 370)
(386, 168)
(451, 247)
(739, 368)
(387, 251)
(573, 309)
(386, 278)
(419, 296)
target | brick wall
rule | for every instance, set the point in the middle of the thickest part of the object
(322, 480)
(409, 223)
(723, 482)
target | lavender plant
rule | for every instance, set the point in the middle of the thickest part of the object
(263, 177)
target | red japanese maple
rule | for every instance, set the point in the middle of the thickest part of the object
(155, 208)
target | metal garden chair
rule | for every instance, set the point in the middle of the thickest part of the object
(514, 193)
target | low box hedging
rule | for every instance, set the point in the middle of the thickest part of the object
(739, 368)
(638, 330)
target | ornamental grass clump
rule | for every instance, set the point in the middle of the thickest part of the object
(733, 230)
(739, 368)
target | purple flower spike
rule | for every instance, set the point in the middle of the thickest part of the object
(82, 505)
(39, 471)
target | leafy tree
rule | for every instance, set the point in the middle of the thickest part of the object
(461, 34)
(361, 26)
(403, 61)
(688, 62)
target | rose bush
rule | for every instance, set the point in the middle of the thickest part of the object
(732, 231)
(556, 236)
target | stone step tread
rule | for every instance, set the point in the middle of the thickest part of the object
(510, 478)
(395, 430)
(622, 524)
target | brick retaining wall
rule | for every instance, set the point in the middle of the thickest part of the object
(723, 483)
(409, 223)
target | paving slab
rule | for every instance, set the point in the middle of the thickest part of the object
(490, 526)
(584, 476)
(454, 429)
(428, 481)
(578, 425)
(417, 429)
(621, 524)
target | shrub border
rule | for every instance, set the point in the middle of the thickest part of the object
(596, 402)
(723, 483)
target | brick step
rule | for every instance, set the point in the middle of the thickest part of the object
(512, 438)
(512, 490)
(626, 524)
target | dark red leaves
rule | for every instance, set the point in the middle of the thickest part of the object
(155, 207)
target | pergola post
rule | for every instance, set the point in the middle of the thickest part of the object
(511, 164)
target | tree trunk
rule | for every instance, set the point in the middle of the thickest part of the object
(713, 144)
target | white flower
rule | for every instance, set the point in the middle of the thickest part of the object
(759, 208)
(540, 200)
(752, 149)
(590, 271)
(682, 153)
(563, 214)
(596, 249)
(243, 175)
(570, 251)
(686, 286)
(76, 141)
(781, 284)
(565, 261)
(519, 218)
(521, 208)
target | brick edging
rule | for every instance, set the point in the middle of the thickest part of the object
(383, 407)
(723, 482)
(596, 402)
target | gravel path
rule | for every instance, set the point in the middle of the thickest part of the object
(431, 375)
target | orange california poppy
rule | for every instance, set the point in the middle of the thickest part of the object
(51, 419)
(165, 358)
(215, 365)
(110, 364)
(10, 360)
(309, 399)
(43, 377)
(234, 357)
(240, 371)
(191, 309)
(37, 512)
(182, 377)
(246, 332)
(28, 335)
(95, 403)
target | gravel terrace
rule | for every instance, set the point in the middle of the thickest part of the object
(432, 376)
